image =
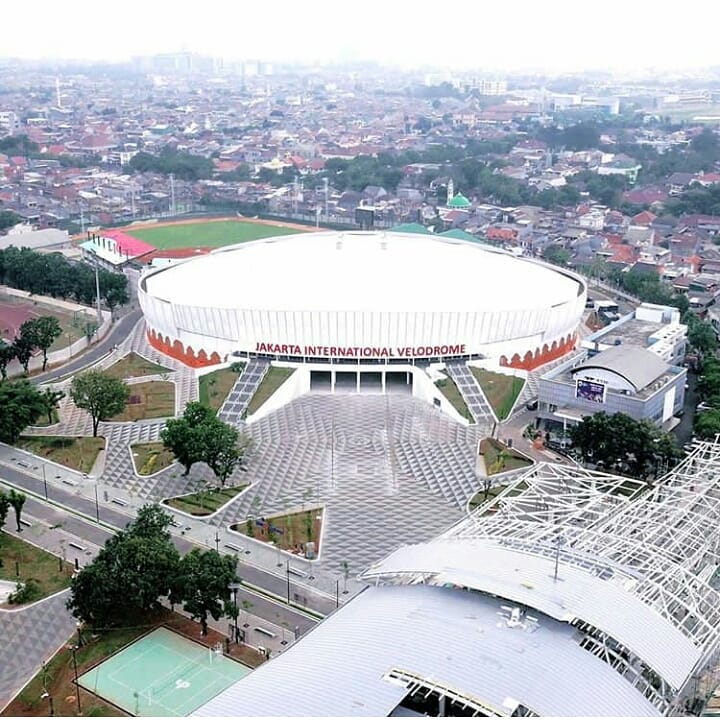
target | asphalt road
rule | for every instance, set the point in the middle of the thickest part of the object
(90, 531)
(118, 332)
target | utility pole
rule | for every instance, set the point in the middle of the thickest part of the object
(172, 194)
(97, 293)
(327, 215)
(82, 220)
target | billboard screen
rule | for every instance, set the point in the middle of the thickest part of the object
(589, 390)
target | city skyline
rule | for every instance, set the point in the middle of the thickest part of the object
(550, 37)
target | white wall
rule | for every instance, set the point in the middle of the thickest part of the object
(296, 385)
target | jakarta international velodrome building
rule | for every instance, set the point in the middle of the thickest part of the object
(362, 297)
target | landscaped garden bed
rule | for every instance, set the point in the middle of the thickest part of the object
(290, 532)
(154, 399)
(215, 386)
(134, 365)
(78, 453)
(499, 458)
(274, 378)
(151, 457)
(501, 390)
(204, 502)
(450, 390)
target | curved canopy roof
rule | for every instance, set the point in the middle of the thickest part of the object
(638, 366)
(363, 271)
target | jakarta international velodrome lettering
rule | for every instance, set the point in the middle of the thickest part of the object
(359, 352)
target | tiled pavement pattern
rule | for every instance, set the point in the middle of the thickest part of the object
(244, 388)
(387, 468)
(27, 638)
(471, 392)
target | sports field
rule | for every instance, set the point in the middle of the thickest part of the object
(207, 234)
(162, 675)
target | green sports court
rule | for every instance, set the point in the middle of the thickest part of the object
(162, 675)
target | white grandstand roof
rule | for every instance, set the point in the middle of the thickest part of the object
(611, 577)
(451, 639)
(363, 271)
(634, 562)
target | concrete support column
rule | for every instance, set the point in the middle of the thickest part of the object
(383, 375)
(441, 706)
(407, 377)
(357, 382)
(333, 377)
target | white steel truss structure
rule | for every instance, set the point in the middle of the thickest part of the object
(629, 563)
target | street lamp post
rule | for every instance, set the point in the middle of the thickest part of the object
(45, 481)
(50, 702)
(217, 541)
(97, 505)
(77, 686)
(287, 573)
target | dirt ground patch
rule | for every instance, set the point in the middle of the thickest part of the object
(288, 532)
(149, 400)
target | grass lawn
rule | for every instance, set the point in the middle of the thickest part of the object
(288, 532)
(57, 677)
(274, 378)
(490, 449)
(151, 457)
(215, 386)
(450, 390)
(51, 574)
(149, 400)
(500, 390)
(206, 502)
(78, 452)
(134, 365)
(207, 234)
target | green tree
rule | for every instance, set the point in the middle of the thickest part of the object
(41, 332)
(204, 585)
(7, 355)
(617, 443)
(17, 501)
(101, 395)
(20, 405)
(8, 219)
(4, 510)
(133, 572)
(223, 448)
(556, 254)
(706, 424)
(23, 348)
(51, 401)
(185, 436)
(700, 334)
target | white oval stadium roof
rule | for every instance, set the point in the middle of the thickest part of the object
(370, 271)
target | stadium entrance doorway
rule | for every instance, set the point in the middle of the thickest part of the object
(361, 381)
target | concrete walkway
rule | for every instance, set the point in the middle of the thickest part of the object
(29, 637)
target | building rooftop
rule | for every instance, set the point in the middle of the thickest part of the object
(638, 366)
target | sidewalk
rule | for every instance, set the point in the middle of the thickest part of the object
(57, 541)
(308, 577)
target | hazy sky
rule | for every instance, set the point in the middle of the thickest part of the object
(504, 34)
